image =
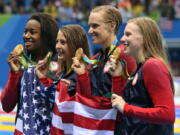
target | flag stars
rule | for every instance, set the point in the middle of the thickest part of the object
(44, 117)
(38, 88)
(23, 84)
(34, 81)
(29, 70)
(43, 94)
(38, 122)
(26, 127)
(35, 126)
(20, 112)
(41, 132)
(34, 101)
(24, 94)
(47, 128)
(36, 111)
(43, 109)
(46, 88)
(25, 105)
(26, 116)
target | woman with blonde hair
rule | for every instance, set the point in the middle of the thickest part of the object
(104, 24)
(147, 103)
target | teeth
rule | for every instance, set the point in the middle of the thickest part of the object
(60, 52)
(28, 40)
(126, 44)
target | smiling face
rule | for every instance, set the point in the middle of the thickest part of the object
(62, 47)
(99, 29)
(133, 40)
(32, 35)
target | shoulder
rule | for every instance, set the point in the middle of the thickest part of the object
(154, 67)
(154, 63)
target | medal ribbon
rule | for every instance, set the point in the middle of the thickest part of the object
(95, 61)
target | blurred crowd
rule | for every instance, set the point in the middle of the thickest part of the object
(78, 10)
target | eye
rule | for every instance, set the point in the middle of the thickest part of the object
(127, 33)
(31, 32)
(35, 31)
(63, 42)
(94, 26)
(57, 41)
(25, 31)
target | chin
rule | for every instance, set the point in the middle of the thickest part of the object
(126, 52)
(60, 58)
(97, 43)
(94, 42)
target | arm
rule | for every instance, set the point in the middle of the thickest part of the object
(160, 92)
(83, 81)
(10, 94)
(119, 82)
(83, 78)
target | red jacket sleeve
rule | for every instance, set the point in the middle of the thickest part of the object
(118, 84)
(158, 84)
(10, 94)
(83, 82)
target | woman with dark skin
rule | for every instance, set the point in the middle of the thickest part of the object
(149, 93)
(39, 38)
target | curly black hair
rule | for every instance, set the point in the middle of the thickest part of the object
(49, 30)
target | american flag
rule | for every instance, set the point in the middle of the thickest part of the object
(35, 106)
(83, 114)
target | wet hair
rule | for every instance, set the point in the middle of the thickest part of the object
(76, 38)
(110, 14)
(152, 40)
(49, 30)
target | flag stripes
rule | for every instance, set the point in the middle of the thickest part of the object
(82, 114)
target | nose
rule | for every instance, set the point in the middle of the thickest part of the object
(122, 38)
(90, 31)
(26, 35)
(58, 45)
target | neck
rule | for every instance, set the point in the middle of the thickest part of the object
(108, 42)
(68, 64)
(37, 55)
(36, 58)
(140, 59)
(60, 66)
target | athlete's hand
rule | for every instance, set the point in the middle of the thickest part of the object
(115, 67)
(42, 69)
(14, 62)
(118, 102)
(78, 66)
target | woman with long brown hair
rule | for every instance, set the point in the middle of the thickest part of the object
(69, 39)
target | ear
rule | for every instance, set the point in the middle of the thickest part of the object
(113, 26)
